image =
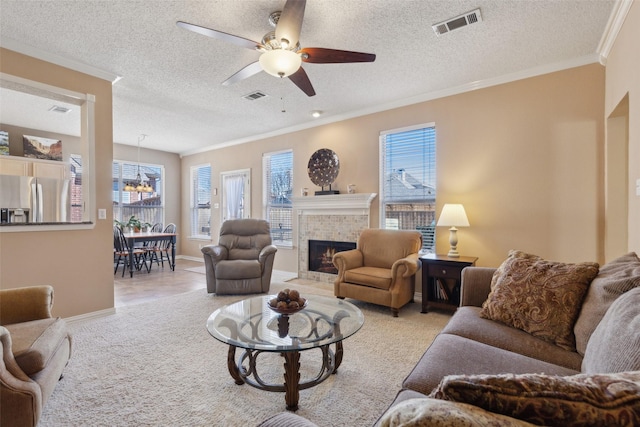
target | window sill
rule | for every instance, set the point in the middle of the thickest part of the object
(206, 238)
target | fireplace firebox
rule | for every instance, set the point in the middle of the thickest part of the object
(321, 254)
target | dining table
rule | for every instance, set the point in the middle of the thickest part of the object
(144, 236)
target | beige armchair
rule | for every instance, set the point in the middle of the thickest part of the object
(242, 261)
(35, 350)
(381, 270)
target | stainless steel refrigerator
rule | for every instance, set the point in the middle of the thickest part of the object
(26, 199)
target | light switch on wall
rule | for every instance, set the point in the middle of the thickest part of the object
(102, 214)
(216, 206)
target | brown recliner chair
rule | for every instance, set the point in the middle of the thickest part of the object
(242, 261)
(381, 270)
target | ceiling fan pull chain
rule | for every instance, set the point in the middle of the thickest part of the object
(284, 110)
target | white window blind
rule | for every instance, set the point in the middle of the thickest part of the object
(277, 169)
(77, 200)
(408, 180)
(201, 201)
(147, 206)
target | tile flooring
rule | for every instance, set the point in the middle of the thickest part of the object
(160, 282)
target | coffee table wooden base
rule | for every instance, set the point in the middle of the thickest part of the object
(248, 374)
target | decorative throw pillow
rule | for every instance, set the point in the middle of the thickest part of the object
(615, 344)
(585, 400)
(425, 412)
(540, 297)
(614, 278)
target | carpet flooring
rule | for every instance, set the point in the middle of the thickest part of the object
(155, 364)
(276, 275)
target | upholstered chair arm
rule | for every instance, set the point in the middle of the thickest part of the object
(475, 285)
(25, 304)
(215, 253)
(266, 252)
(22, 392)
(346, 260)
(406, 267)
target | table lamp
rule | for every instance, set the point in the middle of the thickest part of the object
(453, 215)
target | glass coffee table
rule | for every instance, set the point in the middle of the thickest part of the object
(253, 326)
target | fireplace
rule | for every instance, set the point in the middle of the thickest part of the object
(321, 254)
(334, 218)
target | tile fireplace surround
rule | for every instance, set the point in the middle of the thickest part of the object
(335, 217)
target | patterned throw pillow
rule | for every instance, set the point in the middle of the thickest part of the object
(423, 412)
(614, 279)
(540, 297)
(584, 400)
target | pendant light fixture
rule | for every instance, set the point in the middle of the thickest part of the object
(138, 185)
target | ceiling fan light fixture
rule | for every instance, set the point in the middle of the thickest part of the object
(280, 62)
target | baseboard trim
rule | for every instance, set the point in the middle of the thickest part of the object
(90, 316)
(191, 258)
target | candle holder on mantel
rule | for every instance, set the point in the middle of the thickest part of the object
(323, 169)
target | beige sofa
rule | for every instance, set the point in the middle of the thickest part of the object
(35, 350)
(485, 371)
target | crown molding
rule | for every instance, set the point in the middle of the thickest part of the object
(616, 19)
(53, 58)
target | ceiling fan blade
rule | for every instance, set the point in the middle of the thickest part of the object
(248, 71)
(318, 55)
(290, 22)
(229, 38)
(300, 79)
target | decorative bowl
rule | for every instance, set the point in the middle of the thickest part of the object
(287, 310)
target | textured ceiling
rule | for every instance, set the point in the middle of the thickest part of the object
(170, 87)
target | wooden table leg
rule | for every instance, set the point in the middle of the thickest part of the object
(233, 367)
(338, 356)
(291, 379)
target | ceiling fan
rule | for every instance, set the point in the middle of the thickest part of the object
(282, 55)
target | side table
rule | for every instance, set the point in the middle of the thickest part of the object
(441, 278)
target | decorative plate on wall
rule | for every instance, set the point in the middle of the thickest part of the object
(323, 169)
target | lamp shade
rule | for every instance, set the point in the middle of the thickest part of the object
(453, 215)
(280, 62)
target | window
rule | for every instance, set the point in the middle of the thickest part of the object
(408, 181)
(201, 201)
(77, 205)
(147, 205)
(277, 170)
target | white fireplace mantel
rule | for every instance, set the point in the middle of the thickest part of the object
(339, 204)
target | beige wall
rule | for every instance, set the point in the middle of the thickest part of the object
(525, 158)
(171, 161)
(622, 109)
(75, 262)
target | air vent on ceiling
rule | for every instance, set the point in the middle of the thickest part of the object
(59, 109)
(457, 22)
(255, 95)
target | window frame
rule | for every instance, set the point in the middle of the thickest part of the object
(193, 215)
(159, 189)
(266, 202)
(428, 230)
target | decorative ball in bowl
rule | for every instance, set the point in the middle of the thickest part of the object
(287, 301)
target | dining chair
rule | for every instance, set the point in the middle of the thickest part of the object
(121, 252)
(162, 248)
(149, 244)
